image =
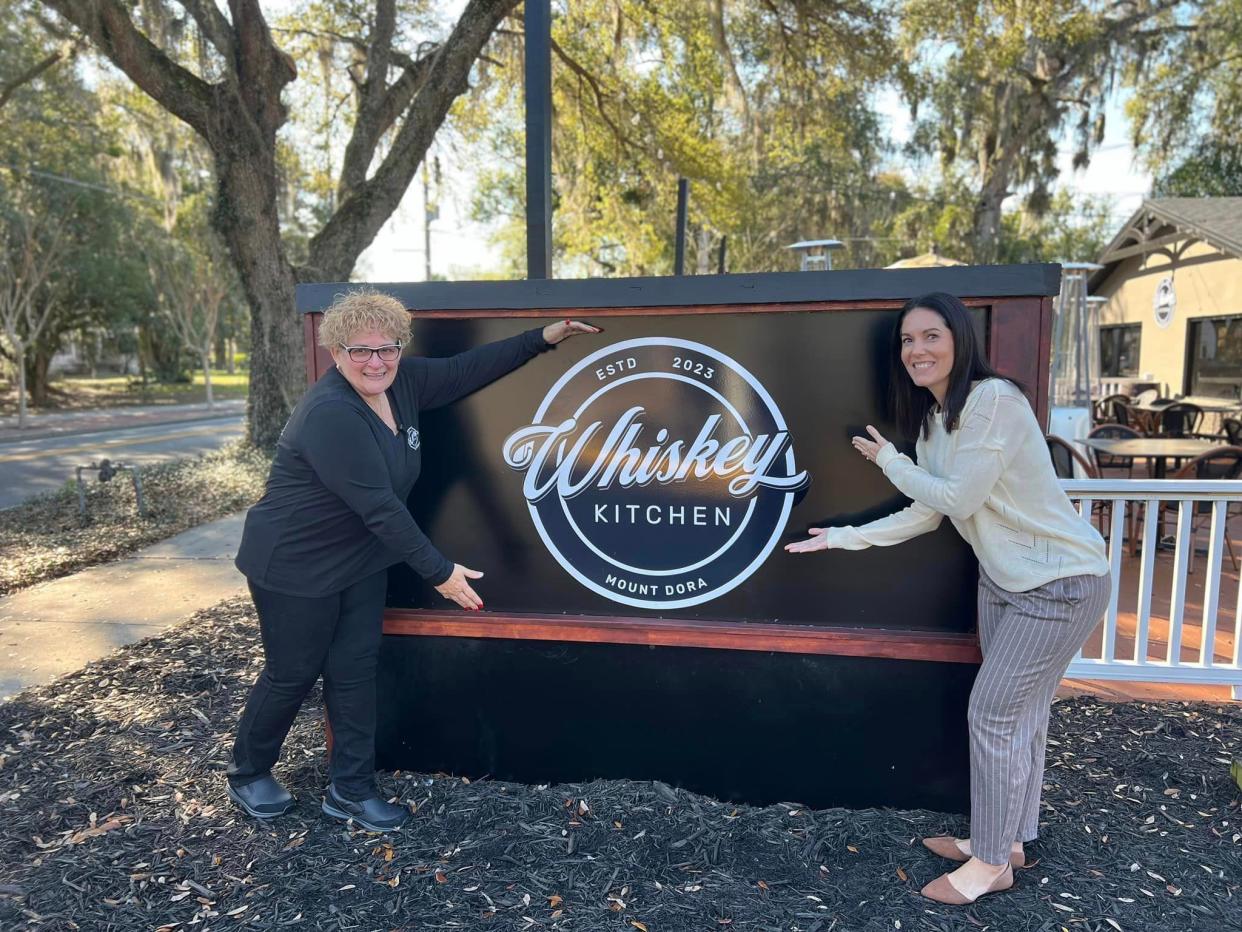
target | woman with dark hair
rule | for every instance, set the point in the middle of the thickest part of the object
(1043, 575)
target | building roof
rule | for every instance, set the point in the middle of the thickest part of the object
(1164, 224)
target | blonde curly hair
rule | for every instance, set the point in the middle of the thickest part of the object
(360, 311)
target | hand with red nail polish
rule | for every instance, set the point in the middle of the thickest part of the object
(563, 329)
(458, 589)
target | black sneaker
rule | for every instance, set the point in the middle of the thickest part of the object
(263, 799)
(373, 813)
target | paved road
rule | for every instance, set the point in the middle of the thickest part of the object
(30, 467)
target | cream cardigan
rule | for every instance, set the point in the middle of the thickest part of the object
(994, 479)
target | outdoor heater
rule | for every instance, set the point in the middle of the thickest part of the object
(628, 497)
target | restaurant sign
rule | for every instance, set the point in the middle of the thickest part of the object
(658, 472)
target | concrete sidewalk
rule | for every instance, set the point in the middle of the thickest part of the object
(59, 626)
(58, 423)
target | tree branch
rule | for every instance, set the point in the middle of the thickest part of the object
(380, 108)
(263, 70)
(594, 84)
(335, 249)
(214, 25)
(108, 24)
(735, 91)
(9, 88)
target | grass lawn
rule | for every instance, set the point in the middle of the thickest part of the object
(76, 393)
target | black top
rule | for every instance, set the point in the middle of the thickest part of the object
(334, 510)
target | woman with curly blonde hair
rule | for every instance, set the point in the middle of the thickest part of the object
(317, 547)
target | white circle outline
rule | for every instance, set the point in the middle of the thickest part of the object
(778, 529)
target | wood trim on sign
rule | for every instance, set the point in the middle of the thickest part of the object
(1016, 335)
(944, 647)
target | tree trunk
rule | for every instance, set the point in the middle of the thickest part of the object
(205, 356)
(36, 373)
(246, 219)
(987, 220)
(19, 350)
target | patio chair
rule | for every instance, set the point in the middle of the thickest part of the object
(1233, 431)
(1221, 463)
(1146, 396)
(1105, 461)
(1064, 457)
(1180, 419)
(1112, 408)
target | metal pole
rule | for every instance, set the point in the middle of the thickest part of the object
(720, 266)
(426, 222)
(683, 195)
(538, 138)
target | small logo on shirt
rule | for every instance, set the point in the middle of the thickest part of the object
(412, 440)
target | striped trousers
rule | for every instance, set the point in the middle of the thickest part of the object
(1027, 639)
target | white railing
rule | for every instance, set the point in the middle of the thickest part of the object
(1149, 501)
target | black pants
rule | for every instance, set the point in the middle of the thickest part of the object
(338, 636)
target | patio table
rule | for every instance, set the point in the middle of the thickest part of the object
(1156, 450)
(1147, 416)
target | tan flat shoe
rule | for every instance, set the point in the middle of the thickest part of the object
(942, 890)
(946, 847)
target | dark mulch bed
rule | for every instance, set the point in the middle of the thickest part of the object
(113, 816)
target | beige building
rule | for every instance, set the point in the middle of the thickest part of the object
(1173, 282)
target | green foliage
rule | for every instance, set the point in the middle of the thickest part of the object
(60, 160)
(999, 83)
(1186, 90)
(1214, 169)
(763, 107)
(1068, 230)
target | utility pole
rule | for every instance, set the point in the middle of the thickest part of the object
(429, 214)
(679, 247)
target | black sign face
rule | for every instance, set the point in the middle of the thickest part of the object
(658, 469)
(658, 472)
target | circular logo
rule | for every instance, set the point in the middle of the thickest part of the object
(658, 472)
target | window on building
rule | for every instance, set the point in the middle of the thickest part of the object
(1214, 357)
(1119, 351)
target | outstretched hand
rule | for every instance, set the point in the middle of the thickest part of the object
(563, 329)
(457, 589)
(817, 541)
(870, 447)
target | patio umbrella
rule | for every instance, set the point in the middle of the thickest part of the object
(928, 260)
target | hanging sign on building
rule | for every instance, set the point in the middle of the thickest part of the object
(1164, 302)
(658, 472)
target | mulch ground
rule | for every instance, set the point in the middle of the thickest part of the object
(46, 537)
(113, 816)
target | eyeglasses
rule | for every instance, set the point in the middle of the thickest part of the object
(387, 353)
